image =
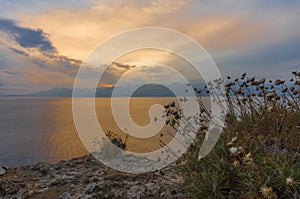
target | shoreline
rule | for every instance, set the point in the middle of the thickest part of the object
(86, 177)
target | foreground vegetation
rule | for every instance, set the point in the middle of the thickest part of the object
(257, 155)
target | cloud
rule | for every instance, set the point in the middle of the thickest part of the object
(113, 73)
(240, 35)
(122, 66)
(30, 62)
(230, 30)
(19, 51)
(26, 37)
(153, 65)
(33, 44)
(76, 33)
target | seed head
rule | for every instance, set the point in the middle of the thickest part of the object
(267, 192)
(290, 181)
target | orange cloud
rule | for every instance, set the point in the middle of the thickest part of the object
(105, 85)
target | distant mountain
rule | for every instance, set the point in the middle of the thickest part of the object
(55, 92)
(153, 90)
(148, 90)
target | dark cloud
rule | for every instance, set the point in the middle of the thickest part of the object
(38, 40)
(19, 51)
(1, 84)
(25, 42)
(59, 63)
(125, 66)
(27, 37)
(10, 72)
(114, 72)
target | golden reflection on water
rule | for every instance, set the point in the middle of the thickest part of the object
(64, 142)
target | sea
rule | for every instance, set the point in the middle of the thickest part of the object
(36, 129)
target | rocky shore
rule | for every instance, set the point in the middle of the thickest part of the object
(85, 177)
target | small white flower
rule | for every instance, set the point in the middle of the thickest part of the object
(289, 181)
(233, 150)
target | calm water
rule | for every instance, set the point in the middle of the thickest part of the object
(42, 129)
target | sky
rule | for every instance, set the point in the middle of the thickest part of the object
(43, 43)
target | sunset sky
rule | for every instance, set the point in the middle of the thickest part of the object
(42, 43)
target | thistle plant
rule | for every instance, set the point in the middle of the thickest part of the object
(257, 155)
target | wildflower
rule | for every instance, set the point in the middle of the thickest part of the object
(290, 181)
(172, 104)
(252, 79)
(262, 81)
(292, 88)
(277, 82)
(284, 90)
(267, 192)
(236, 163)
(247, 159)
(166, 106)
(183, 163)
(270, 95)
(233, 150)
